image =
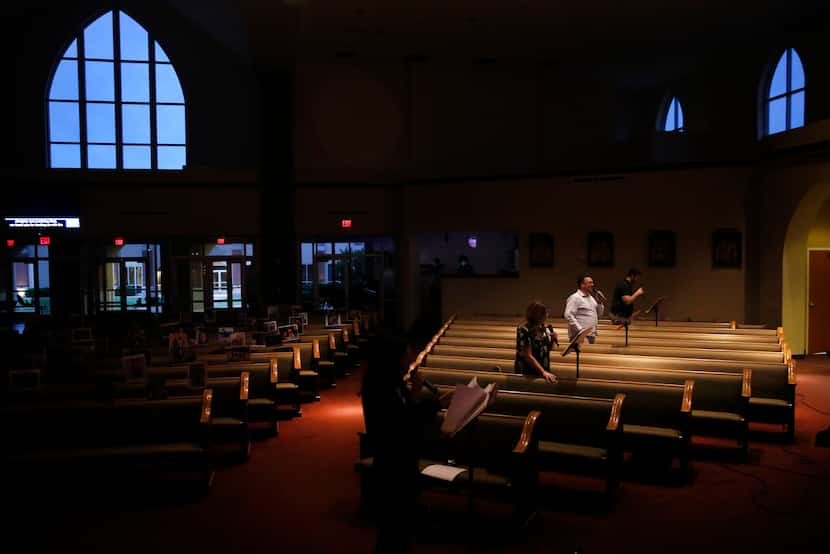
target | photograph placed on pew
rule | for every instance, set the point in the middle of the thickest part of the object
(600, 249)
(134, 367)
(332, 319)
(298, 322)
(727, 248)
(541, 246)
(289, 333)
(662, 249)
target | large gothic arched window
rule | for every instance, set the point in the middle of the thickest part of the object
(115, 101)
(784, 105)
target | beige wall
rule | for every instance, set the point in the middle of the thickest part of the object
(792, 198)
(690, 203)
(819, 235)
(693, 203)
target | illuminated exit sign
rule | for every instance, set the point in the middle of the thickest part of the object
(346, 223)
(43, 222)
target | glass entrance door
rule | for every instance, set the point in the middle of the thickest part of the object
(135, 284)
(125, 286)
(23, 276)
(111, 291)
(226, 284)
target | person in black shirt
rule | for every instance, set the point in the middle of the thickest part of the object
(394, 412)
(534, 340)
(622, 304)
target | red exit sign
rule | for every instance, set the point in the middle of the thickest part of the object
(346, 223)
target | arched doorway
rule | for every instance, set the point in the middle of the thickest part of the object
(794, 266)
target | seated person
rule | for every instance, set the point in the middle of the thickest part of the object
(534, 340)
(464, 266)
(179, 346)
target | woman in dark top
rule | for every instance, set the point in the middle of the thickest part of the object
(394, 414)
(534, 340)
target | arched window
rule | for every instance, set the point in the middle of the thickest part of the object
(115, 101)
(673, 123)
(785, 94)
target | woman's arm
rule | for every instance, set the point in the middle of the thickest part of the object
(527, 355)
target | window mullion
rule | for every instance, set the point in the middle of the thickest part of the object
(153, 124)
(788, 89)
(116, 49)
(82, 138)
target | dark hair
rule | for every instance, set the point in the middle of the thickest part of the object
(633, 272)
(536, 312)
(581, 278)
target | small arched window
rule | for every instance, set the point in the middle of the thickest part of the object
(115, 101)
(785, 94)
(673, 121)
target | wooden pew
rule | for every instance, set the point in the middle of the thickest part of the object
(574, 433)
(518, 318)
(229, 407)
(618, 341)
(323, 349)
(721, 400)
(271, 383)
(118, 442)
(657, 415)
(497, 452)
(303, 362)
(746, 341)
(658, 351)
(605, 325)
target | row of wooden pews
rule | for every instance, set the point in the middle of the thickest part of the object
(174, 423)
(673, 381)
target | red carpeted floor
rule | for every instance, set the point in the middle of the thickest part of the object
(298, 493)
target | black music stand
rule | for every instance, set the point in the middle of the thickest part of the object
(574, 346)
(626, 322)
(656, 308)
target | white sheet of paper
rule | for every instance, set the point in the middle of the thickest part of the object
(445, 473)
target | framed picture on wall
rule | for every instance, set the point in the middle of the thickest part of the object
(661, 249)
(541, 248)
(727, 248)
(600, 249)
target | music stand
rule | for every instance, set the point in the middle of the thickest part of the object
(656, 308)
(574, 346)
(624, 322)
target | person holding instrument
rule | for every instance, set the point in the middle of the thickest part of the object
(584, 308)
(622, 304)
(395, 408)
(534, 340)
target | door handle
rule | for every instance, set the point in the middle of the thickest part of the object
(812, 304)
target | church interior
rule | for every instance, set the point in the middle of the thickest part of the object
(227, 224)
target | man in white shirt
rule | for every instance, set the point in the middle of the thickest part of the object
(582, 309)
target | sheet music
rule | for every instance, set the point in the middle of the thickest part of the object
(445, 473)
(468, 401)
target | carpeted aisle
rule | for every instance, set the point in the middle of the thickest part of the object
(298, 493)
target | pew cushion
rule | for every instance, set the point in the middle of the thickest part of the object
(261, 402)
(226, 422)
(109, 453)
(723, 416)
(658, 432)
(572, 450)
(770, 402)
